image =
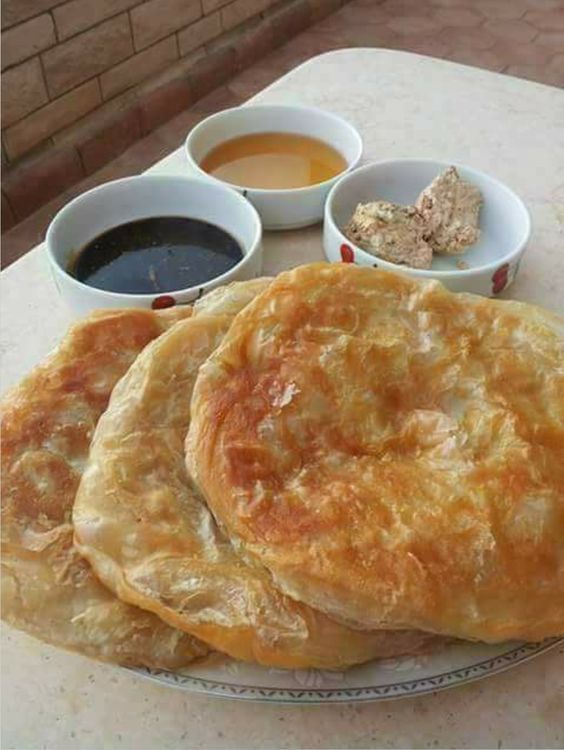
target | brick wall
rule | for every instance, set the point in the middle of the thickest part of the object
(75, 72)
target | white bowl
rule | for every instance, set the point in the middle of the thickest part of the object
(493, 262)
(145, 196)
(278, 209)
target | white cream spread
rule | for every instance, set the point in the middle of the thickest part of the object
(450, 207)
(444, 220)
(394, 233)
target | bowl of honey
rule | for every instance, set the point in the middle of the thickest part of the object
(284, 159)
(152, 241)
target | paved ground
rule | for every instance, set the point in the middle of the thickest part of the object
(519, 37)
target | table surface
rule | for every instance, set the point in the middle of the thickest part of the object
(403, 105)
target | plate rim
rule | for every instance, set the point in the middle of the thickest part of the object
(396, 690)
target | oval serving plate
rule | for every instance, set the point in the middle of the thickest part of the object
(376, 681)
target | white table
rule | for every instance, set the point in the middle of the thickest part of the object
(403, 105)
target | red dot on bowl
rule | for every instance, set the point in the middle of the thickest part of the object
(347, 254)
(160, 303)
(500, 278)
(501, 272)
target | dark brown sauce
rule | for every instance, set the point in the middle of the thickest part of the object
(161, 254)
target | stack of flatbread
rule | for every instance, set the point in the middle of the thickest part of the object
(336, 465)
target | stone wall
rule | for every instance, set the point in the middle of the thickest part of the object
(84, 79)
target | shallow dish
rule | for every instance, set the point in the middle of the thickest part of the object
(493, 262)
(278, 209)
(114, 203)
(389, 679)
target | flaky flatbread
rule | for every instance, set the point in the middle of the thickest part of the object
(393, 453)
(47, 423)
(151, 538)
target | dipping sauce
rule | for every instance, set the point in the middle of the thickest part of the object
(161, 254)
(273, 161)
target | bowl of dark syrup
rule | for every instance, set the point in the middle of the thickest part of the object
(152, 241)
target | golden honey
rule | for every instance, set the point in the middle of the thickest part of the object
(273, 161)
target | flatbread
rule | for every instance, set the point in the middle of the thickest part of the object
(152, 540)
(48, 589)
(393, 453)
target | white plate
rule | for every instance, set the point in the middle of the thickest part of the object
(376, 681)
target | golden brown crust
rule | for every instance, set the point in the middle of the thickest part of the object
(152, 539)
(391, 452)
(47, 424)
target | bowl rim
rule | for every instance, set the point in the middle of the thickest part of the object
(274, 191)
(424, 272)
(61, 215)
